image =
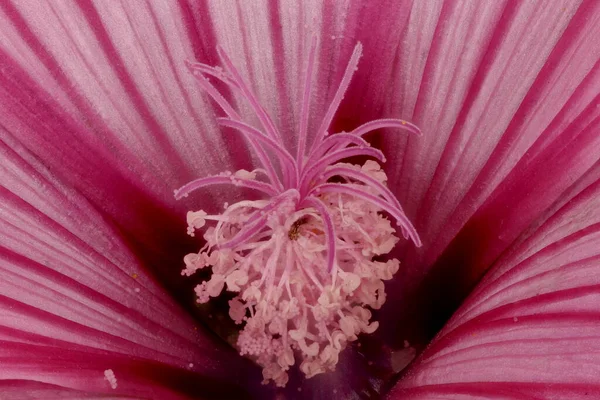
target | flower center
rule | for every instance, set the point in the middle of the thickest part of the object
(300, 261)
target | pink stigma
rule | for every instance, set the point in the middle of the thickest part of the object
(300, 261)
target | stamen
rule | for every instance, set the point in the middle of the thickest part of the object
(300, 261)
(313, 170)
(339, 95)
(386, 123)
(330, 236)
(225, 106)
(285, 158)
(260, 112)
(354, 190)
(339, 140)
(186, 189)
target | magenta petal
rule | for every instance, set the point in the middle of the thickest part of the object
(75, 301)
(83, 374)
(509, 122)
(120, 120)
(531, 328)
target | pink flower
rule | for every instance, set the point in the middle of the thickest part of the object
(101, 119)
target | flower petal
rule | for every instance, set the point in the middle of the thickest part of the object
(76, 112)
(111, 113)
(85, 374)
(500, 111)
(531, 328)
(75, 301)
